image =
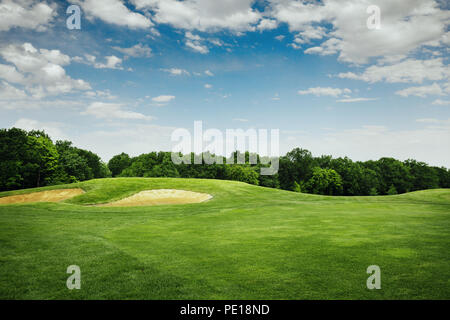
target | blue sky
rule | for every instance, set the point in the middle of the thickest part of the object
(137, 70)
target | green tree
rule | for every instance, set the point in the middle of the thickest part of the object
(42, 158)
(296, 166)
(119, 163)
(423, 176)
(166, 169)
(242, 173)
(443, 176)
(392, 190)
(13, 152)
(325, 182)
(391, 172)
(76, 164)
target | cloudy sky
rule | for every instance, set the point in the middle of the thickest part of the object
(137, 70)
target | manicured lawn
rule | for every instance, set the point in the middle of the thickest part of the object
(247, 242)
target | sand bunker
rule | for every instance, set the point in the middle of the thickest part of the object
(44, 196)
(160, 196)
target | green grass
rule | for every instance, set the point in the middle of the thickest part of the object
(247, 242)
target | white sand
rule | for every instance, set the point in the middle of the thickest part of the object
(43, 196)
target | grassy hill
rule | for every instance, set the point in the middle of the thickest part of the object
(248, 242)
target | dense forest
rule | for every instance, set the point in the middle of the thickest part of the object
(32, 159)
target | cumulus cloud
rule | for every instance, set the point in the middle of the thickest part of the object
(103, 110)
(27, 14)
(328, 91)
(203, 15)
(310, 33)
(114, 12)
(9, 92)
(267, 24)
(40, 71)
(106, 94)
(410, 70)
(176, 71)
(111, 62)
(440, 102)
(351, 100)
(404, 26)
(196, 46)
(163, 99)
(208, 86)
(422, 91)
(196, 43)
(138, 50)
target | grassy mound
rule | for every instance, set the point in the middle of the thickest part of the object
(247, 242)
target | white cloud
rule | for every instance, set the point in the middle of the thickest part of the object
(422, 91)
(195, 37)
(208, 86)
(138, 50)
(197, 47)
(440, 102)
(41, 71)
(209, 73)
(10, 73)
(114, 12)
(217, 42)
(350, 100)
(100, 94)
(112, 62)
(267, 24)
(163, 99)
(320, 91)
(295, 46)
(310, 33)
(330, 46)
(176, 71)
(195, 42)
(203, 15)
(405, 26)
(9, 92)
(27, 14)
(103, 110)
(407, 71)
(53, 129)
(428, 120)
(240, 120)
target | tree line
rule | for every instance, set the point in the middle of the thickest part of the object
(31, 159)
(298, 171)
